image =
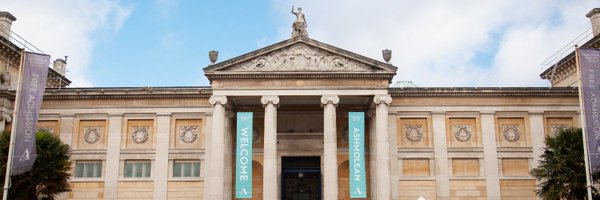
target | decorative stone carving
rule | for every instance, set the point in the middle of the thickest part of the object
(555, 128)
(188, 134)
(301, 57)
(387, 55)
(139, 134)
(462, 132)
(511, 132)
(212, 56)
(217, 99)
(413, 132)
(269, 99)
(299, 26)
(92, 134)
(382, 98)
(333, 99)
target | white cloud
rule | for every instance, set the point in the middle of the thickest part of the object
(73, 23)
(436, 43)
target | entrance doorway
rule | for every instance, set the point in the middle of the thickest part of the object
(301, 178)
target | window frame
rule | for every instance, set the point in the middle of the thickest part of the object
(192, 165)
(96, 167)
(140, 169)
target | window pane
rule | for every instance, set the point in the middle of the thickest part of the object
(97, 169)
(128, 169)
(196, 169)
(147, 169)
(177, 169)
(187, 169)
(79, 170)
(88, 169)
(137, 169)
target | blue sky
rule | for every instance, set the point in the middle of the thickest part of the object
(165, 42)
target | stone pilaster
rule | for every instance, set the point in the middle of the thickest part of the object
(270, 147)
(216, 160)
(113, 148)
(229, 151)
(382, 175)
(330, 172)
(440, 147)
(393, 157)
(161, 162)
(490, 155)
(536, 124)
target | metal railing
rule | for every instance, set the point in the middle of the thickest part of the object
(19, 41)
(567, 49)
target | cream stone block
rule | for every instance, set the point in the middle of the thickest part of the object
(52, 126)
(86, 190)
(413, 133)
(512, 132)
(463, 132)
(140, 134)
(517, 189)
(182, 190)
(555, 124)
(468, 189)
(136, 190)
(411, 190)
(91, 134)
(188, 134)
(515, 167)
(465, 167)
(415, 167)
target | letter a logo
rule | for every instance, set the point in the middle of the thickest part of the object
(358, 192)
(25, 156)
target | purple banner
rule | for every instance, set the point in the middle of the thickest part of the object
(589, 61)
(31, 92)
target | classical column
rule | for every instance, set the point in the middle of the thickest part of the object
(490, 155)
(383, 146)
(442, 173)
(229, 152)
(330, 172)
(216, 162)
(270, 149)
(161, 161)
(113, 151)
(393, 156)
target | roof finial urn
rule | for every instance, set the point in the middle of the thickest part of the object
(212, 56)
(387, 55)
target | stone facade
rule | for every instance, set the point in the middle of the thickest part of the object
(179, 142)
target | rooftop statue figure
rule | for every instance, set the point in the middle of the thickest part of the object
(299, 26)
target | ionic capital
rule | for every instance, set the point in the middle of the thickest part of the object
(382, 98)
(265, 100)
(333, 99)
(217, 100)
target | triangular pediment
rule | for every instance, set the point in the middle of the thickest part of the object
(300, 56)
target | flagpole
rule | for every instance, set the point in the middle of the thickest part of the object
(11, 147)
(584, 127)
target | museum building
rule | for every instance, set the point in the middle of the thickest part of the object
(180, 142)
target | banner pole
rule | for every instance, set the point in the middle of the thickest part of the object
(11, 146)
(584, 127)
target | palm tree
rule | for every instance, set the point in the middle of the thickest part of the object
(49, 175)
(561, 172)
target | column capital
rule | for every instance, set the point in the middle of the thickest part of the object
(382, 98)
(265, 100)
(326, 99)
(217, 99)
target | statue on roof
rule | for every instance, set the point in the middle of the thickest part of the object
(299, 26)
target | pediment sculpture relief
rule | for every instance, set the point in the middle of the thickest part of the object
(301, 57)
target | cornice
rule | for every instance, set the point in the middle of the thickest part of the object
(299, 76)
(484, 92)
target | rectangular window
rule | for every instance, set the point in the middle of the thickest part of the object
(186, 169)
(88, 169)
(137, 169)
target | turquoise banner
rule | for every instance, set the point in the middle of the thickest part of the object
(356, 142)
(243, 156)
